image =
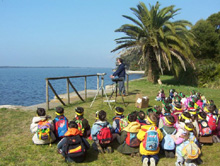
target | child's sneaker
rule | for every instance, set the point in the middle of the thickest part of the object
(152, 162)
(109, 149)
(191, 164)
(132, 154)
(138, 154)
(178, 164)
(145, 162)
(171, 155)
(100, 150)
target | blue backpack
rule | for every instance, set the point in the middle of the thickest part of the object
(167, 142)
(151, 140)
(61, 126)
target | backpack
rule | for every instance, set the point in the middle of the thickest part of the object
(204, 128)
(167, 142)
(74, 147)
(104, 135)
(121, 124)
(191, 150)
(61, 126)
(131, 140)
(43, 130)
(212, 122)
(151, 139)
(80, 125)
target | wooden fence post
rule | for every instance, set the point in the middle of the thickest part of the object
(127, 83)
(102, 84)
(85, 85)
(68, 91)
(97, 82)
(47, 94)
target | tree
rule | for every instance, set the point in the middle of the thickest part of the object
(207, 38)
(157, 38)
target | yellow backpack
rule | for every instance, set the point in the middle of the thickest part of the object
(191, 150)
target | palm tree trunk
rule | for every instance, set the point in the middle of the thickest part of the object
(152, 66)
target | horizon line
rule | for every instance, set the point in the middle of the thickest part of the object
(48, 67)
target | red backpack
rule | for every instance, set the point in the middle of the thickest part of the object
(104, 135)
(212, 122)
(131, 140)
(204, 128)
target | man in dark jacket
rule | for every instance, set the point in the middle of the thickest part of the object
(120, 72)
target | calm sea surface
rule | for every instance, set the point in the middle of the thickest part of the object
(27, 86)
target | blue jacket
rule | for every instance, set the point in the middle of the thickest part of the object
(97, 126)
(120, 72)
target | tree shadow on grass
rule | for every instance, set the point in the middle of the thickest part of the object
(174, 81)
(134, 92)
(170, 81)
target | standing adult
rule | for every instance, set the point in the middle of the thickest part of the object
(120, 72)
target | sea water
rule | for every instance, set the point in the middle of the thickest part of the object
(27, 86)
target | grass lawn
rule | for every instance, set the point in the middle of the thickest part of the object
(16, 147)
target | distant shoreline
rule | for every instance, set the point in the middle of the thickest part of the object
(49, 67)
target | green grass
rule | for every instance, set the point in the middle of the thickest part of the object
(16, 147)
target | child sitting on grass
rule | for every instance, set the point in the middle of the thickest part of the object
(165, 111)
(73, 146)
(187, 149)
(118, 121)
(129, 144)
(83, 124)
(60, 123)
(101, 133)
(141, 118)
(160, 95)
(168, 144)
(150, 136)
(42, 128)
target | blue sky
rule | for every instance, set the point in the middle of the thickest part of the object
(78, 33)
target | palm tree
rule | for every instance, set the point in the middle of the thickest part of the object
(157, 38)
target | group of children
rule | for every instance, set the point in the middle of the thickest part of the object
(177, 128)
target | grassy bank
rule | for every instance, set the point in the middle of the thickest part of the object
(16, 147)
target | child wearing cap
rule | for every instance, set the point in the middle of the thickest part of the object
(193, 113)
(141, 118)
(167, 144)
(83, 124)
(101, 133)
(43, 128)
(60, 123)
(129, 144)
(185, 117)
(182, 142)
(73, 152)
(165, 111)
(118, 121)
(150, 149)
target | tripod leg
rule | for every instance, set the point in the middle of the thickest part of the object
(123, 100)
(107, 98)
(113, 91)
(95, 97)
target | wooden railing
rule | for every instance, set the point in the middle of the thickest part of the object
(69, 83)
